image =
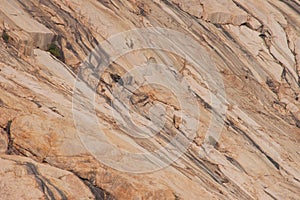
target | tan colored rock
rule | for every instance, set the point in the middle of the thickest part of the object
(275, 24)
(297, 47)
(25, 32)
(24, 178)
(254, 23)
(3, 141)
(193, 7)
(223, 12)
(252, 144)
(256, 46)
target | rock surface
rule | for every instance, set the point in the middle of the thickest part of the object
(24, 32)
(23, 178)
(242, 126)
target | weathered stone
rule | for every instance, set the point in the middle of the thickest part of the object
(3, 141)
(254, 23)
(193, 7)
(26, 179)
(245, 138)
(275, 23)
(26, 33)
(223, 12)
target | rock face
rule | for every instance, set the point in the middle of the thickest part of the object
(22, 178)
(25, 33)
(170, 99)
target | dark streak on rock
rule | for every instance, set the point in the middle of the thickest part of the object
(10, 140)
(99, 193)
(272, 85)
(251, 141)
(36, 103)
(117, 78)
(108, 3)
(235, 163)
(46, 190)
(297, 121)
(203, 102)
(54, 109)
(296, 179)
(202, 166)
(268, 193)
(44, 182)
(293, 5)
(71, 22)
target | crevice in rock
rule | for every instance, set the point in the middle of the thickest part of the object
(10, 148)
(290, 22)
(107, 4)
(99, 193)
(44, 182)
(55, 48)
(288, 118)
(176, 197)
(203, 102)
(216, 174)
(235, 42)
(235, 163)
(297, 121)
(268, 44)
(216, 177)
(293, 5)
(226, 33)
(251, 141)
(239, 5)
(175, 7)
(288, 42)
(296, 179)
(272, 85)
(43, 186)
(74, 27)
(61, 193)
(232, 64)
(270, 195)
(285, 75)
(54, 109)
(46, 185)
(37, 103)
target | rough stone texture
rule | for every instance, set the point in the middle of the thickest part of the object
(23, 178)
(255, 46)
(223, 12)
(3, 141)
(25, 33)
